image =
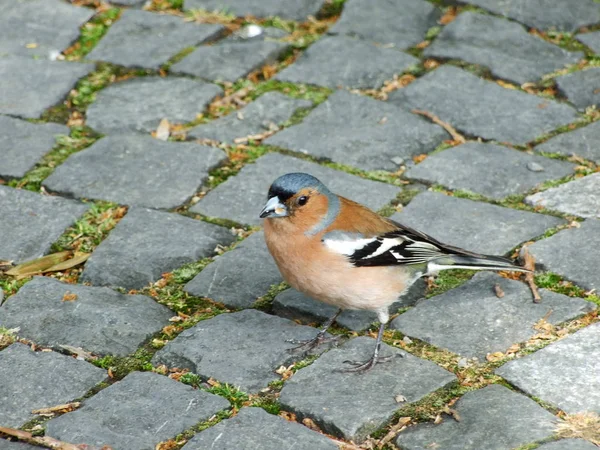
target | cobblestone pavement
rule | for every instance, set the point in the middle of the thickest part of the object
(146, 133)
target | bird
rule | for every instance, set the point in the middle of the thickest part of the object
(342, 253)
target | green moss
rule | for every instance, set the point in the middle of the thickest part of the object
(265, 302)
(91, 33)
(429, 406)
(332, 8)
(407, 194)
(528, 447)
(433, 32)
(65, 147)
(121, 366)
(315, 94)
(178, 57)
(556, 283)
(449, 279)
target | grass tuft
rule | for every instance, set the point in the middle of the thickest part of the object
(91, 33)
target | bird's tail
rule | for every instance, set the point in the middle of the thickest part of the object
(475, 262)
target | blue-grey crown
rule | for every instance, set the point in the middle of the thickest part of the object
(289, 184)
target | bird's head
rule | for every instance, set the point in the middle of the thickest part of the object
(300, 196)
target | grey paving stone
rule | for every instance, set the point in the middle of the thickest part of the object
(335, 61)
(20, 93)
(272, 108)
(137, 413)
(491, 170)
(483, 108)
(568, 444)
(592, 40)
(493, 418)
(545, 14)
(6, 445)
(565, 373)
(40, 28)
(472, 321)
(32, 222)
(581, 142)
(294, 305)
(254, 428)
(227, 279)
(352, 405)
(235, 57)
(136, 170)
(243, 348)
(369, 134)
(146, 244)
(33, 380)
(472, 225)
(582, 88)
(149, 40)
(139, 105)
(99, 320)
(288, 9)
(565, 253)
(241, 197)
(403, 23)
(580, 197)
(22, 144)
(505, 47)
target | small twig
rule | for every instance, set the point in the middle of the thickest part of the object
(402, 423)
(445, 125)
(67, 407)
(255, 137)
(46, 441)
(530, 265)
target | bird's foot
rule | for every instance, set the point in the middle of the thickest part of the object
(363, 366)
(310, 344)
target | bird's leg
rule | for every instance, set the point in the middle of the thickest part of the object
(360, 366)
(319, 338)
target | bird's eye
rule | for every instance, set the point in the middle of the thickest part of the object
(302, 200)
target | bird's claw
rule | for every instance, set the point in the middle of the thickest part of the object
(363, 366)
(310, 344)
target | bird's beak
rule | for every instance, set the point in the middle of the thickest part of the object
(274, 208)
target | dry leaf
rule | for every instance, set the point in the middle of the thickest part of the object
(438, 419)
(163, 131)
(584, 425)
(38, 265)
(78, 352)
(498, 290)
(513, 349)
(448, 16)
(496, 356)
(419, 158)
(69, 297)
(530, 265)
(309, 423)
(400, 398)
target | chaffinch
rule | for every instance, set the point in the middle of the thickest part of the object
(344, 254)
